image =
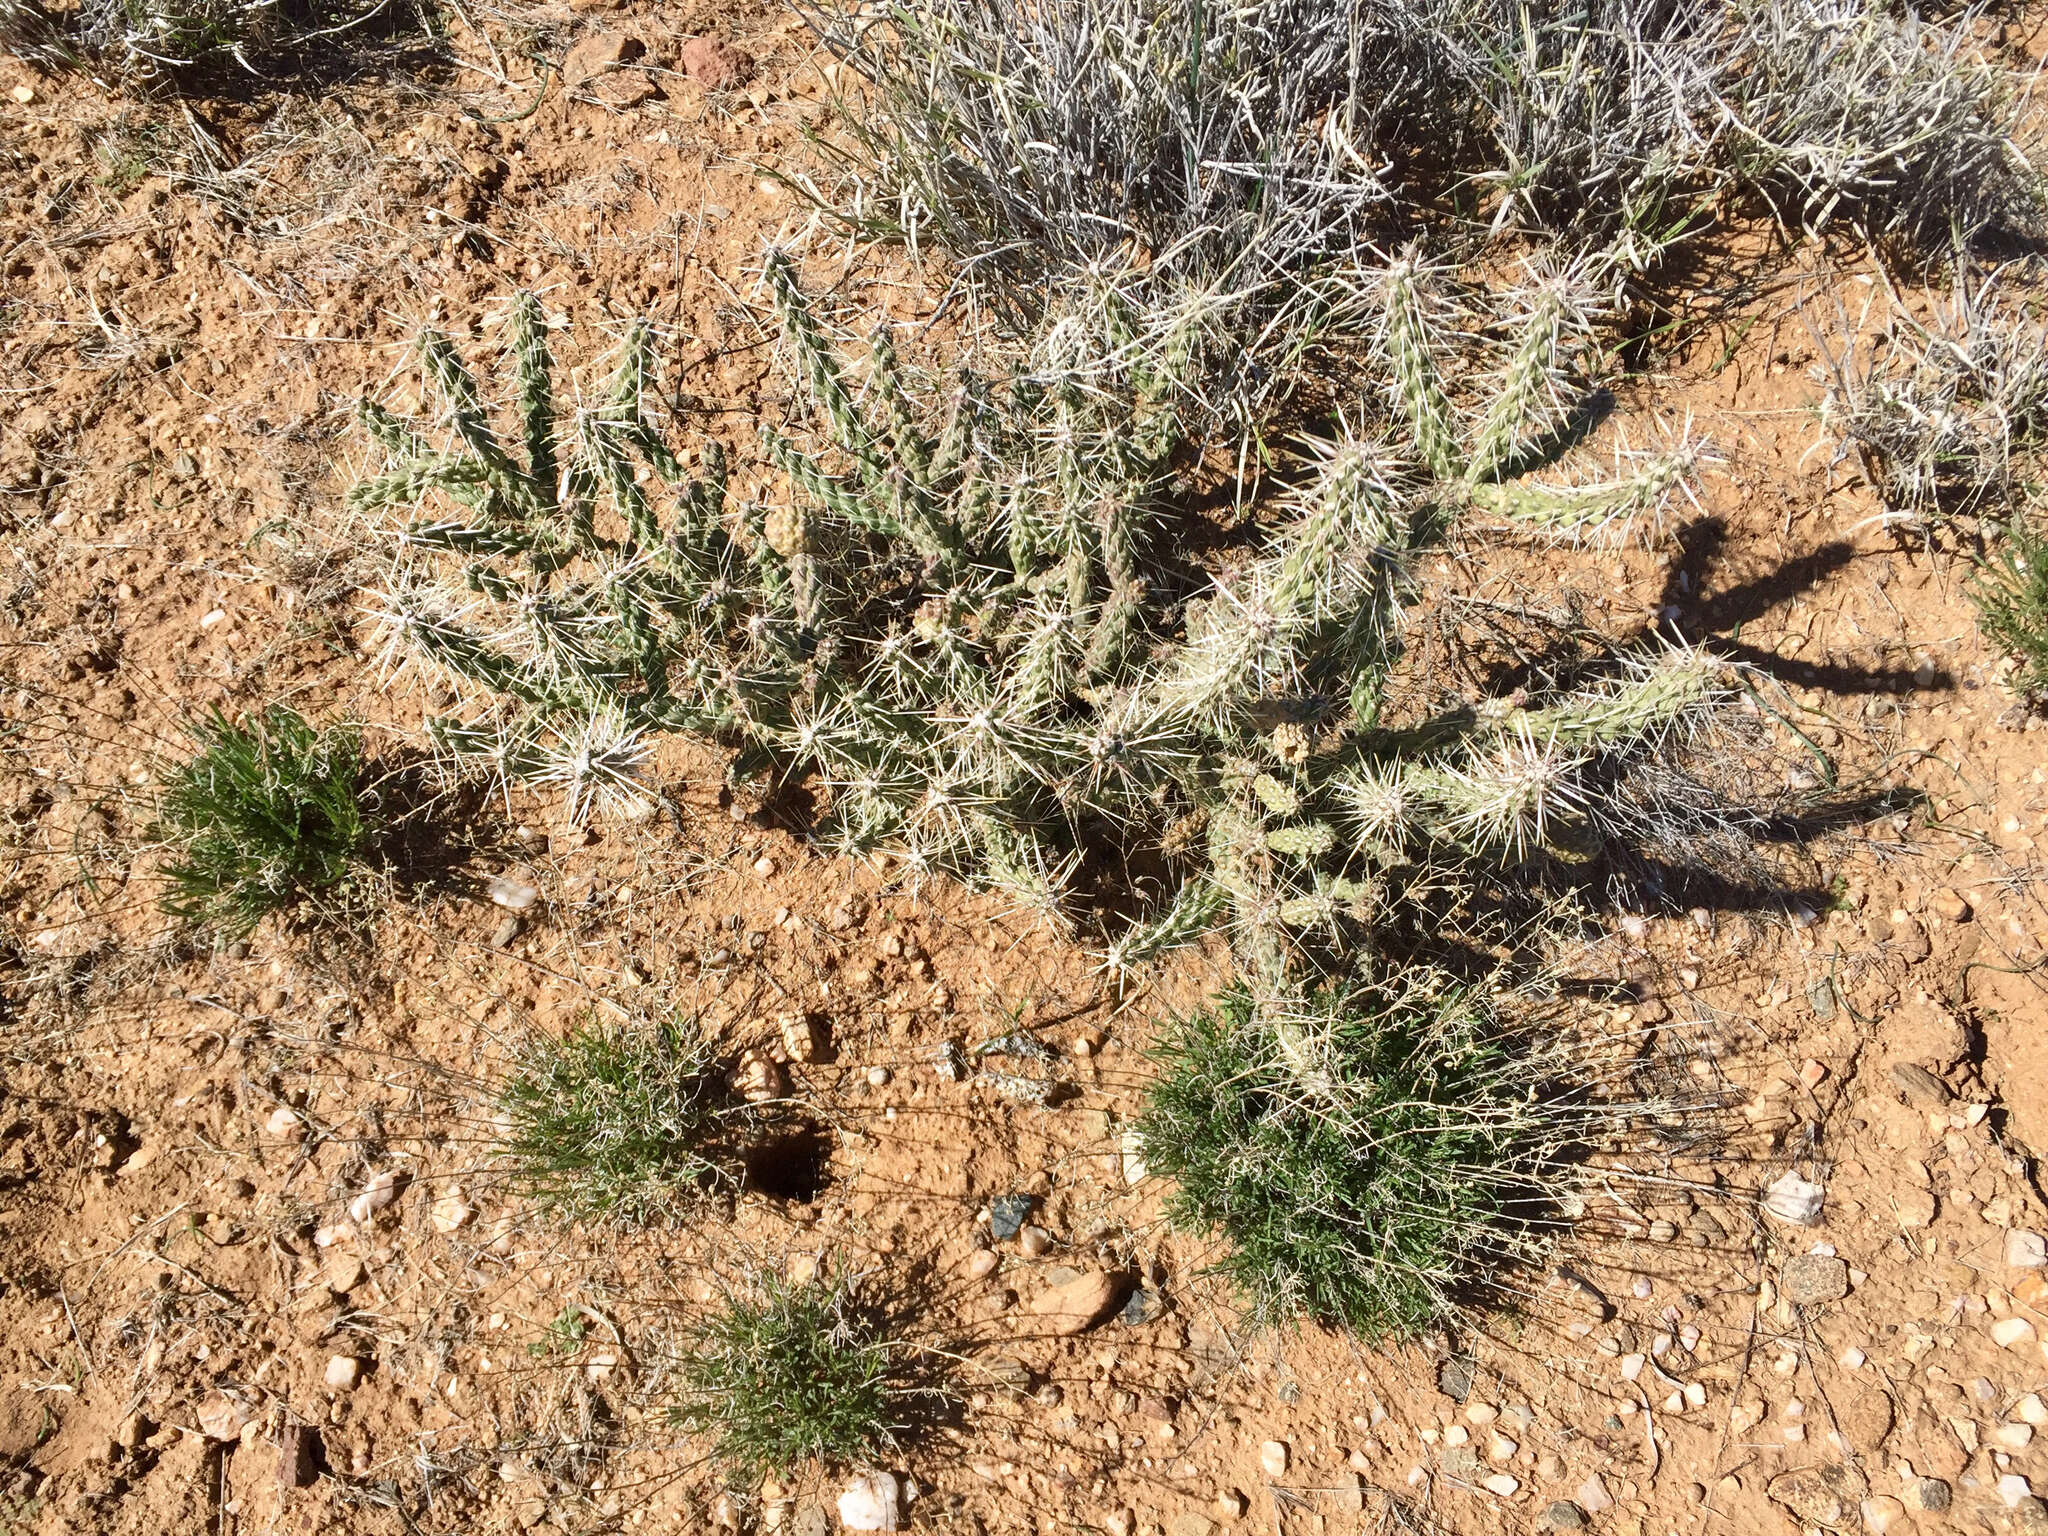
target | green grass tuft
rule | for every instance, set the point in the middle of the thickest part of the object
(1362, 1151)
(607, 1124)
(792, 1374)
(266, 816)
(2012, 605)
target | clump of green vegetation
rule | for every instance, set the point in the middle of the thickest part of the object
(267, 816)
(1367, 1151)
(789, 1374)
(611, 1124)
(2012, 604)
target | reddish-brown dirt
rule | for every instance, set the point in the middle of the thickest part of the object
(191, 300)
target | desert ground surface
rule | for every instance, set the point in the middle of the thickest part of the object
(192, 294)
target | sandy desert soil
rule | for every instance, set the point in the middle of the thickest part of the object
(192, 297)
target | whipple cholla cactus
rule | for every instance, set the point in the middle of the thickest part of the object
(974, 617)
(551, 587)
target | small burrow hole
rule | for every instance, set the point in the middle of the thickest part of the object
(792, 1164)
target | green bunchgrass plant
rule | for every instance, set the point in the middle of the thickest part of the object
(789, 1374)
(1369, 1153)
(268, 815)
(619, 1125)
(2012, 605)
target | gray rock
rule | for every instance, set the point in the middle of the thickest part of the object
(1930, 1494)
(1454, 1378)
(1461, 1464)
(1144, 1306)
(1822, 1495)
(1920, 1086)
(810, 1520)
(1006, 1215)
(1563, 1515)
(1813, 1278)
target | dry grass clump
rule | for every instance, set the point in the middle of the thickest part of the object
(1894, 123)
(1175, 180)
(1941, 410)
(1226, 157)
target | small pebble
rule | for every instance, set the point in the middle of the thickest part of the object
(873, 1502)
(2011, 1332)
(452, 1211)
(1006, 1215)
(1794, 1200)
(344, 1273)
(764, 867)
(1810, 1279)
(1950, 905)
(1501, 1485)
(343, 1372)
(878, 1077)
(804, 1036)
(298, 1456)
(1273, 1458)
(513, 895)
(221, 1418)
(377, 1194)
